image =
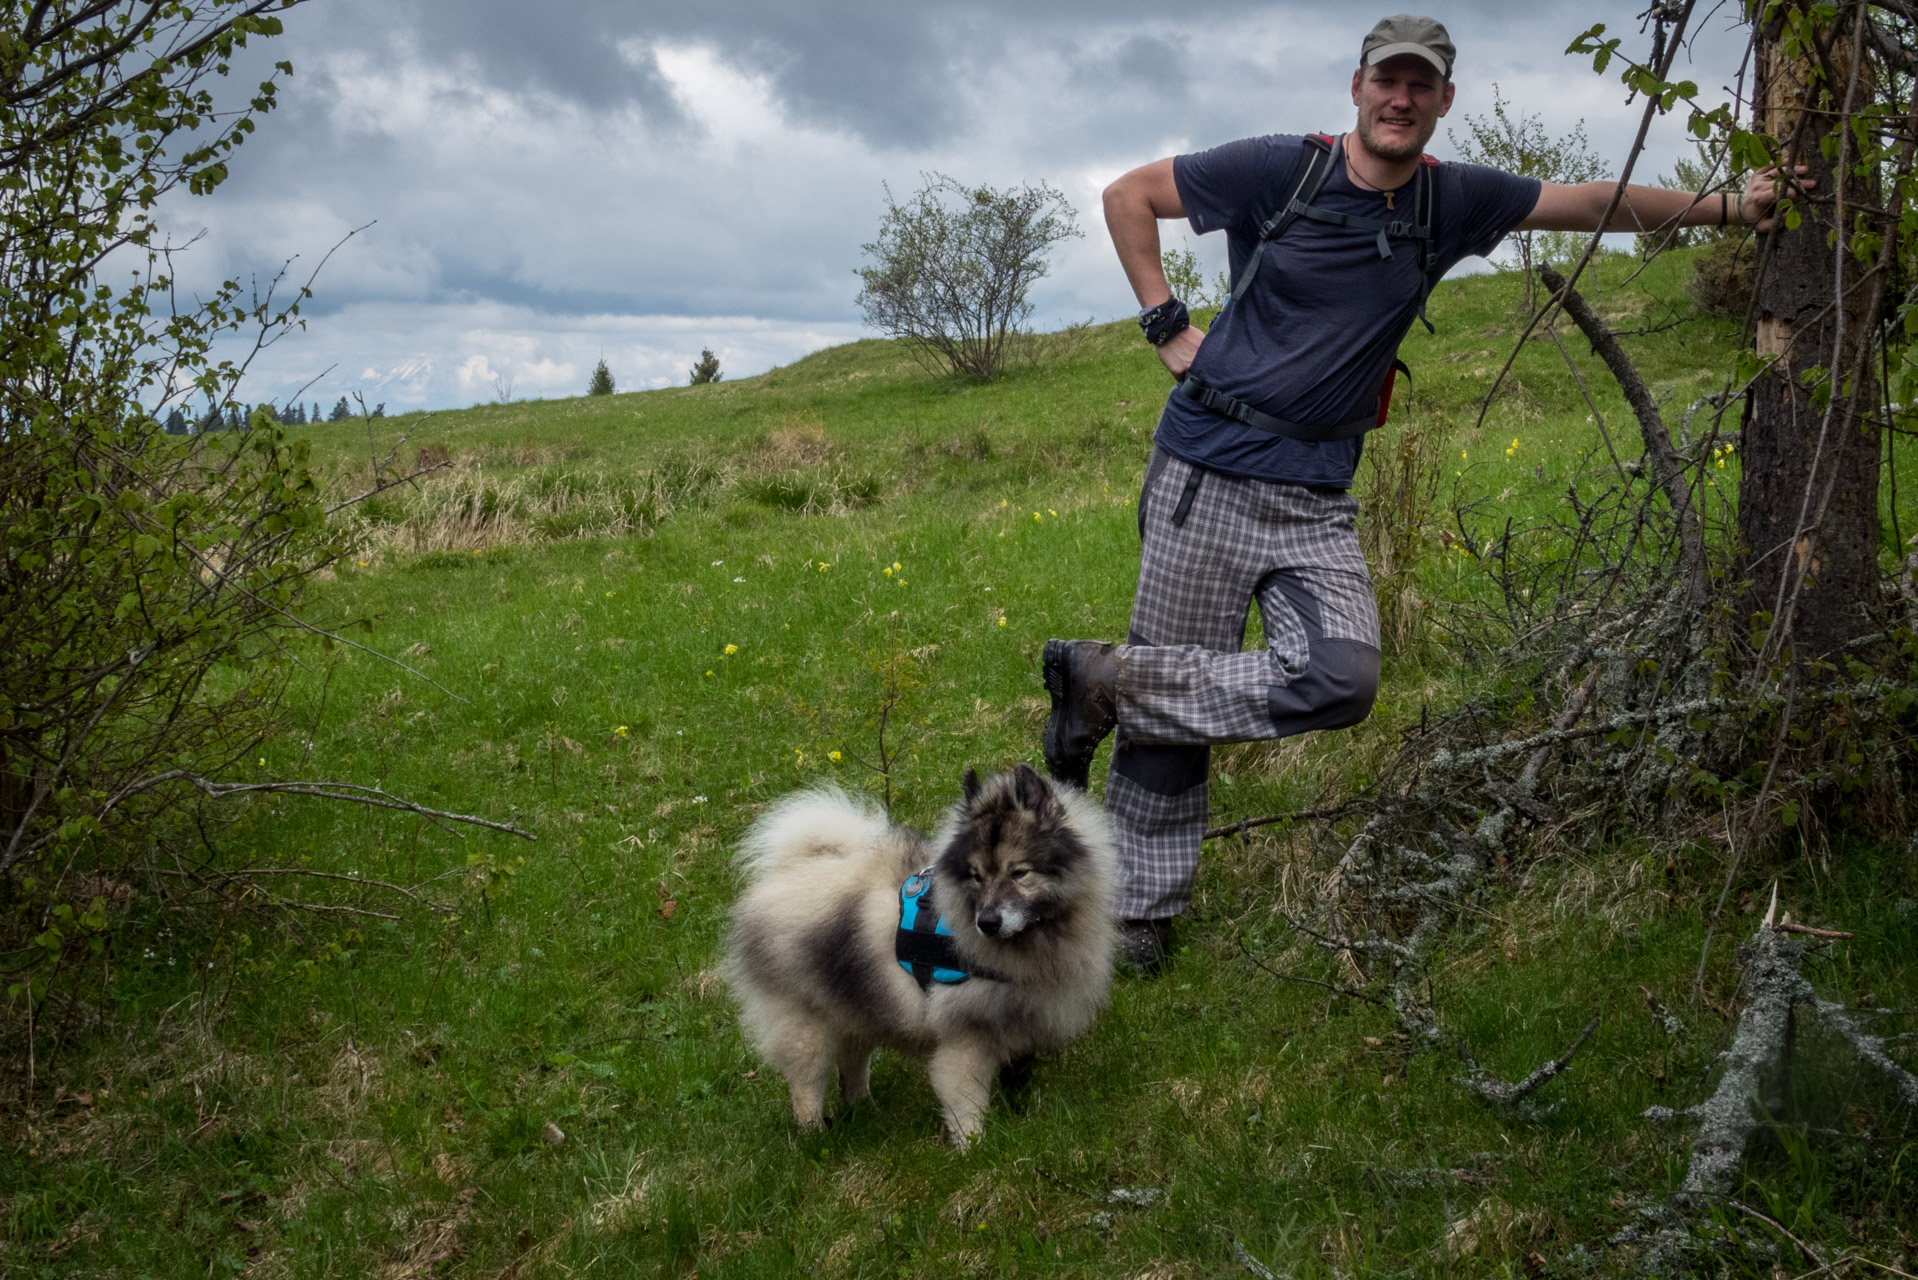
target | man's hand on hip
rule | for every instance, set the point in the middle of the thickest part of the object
(1181, 349)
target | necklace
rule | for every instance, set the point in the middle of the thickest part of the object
(1351, 171)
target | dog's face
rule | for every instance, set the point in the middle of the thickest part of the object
(1015, 857)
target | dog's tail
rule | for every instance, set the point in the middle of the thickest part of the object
(822, 823)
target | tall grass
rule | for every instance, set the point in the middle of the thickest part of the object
(481, 501)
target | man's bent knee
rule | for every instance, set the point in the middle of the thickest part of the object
(1336, 691)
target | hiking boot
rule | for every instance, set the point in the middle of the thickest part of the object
(1083, 678)
(1143, 946)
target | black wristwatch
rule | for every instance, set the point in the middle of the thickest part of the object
(1164, 322)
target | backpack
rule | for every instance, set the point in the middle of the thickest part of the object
(1307, 179)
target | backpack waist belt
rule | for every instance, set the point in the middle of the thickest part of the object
(1240, 411)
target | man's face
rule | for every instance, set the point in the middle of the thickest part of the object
(1400, 101)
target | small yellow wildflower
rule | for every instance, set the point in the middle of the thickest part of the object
(1052, 513)
(823, 566)
(887, 572)
(621, 732)
(834, 756)
(1036, 518)
(1461, 454)
(262, 762)
(709, 673)
(897, 567)
(1002, 622)
(731, 649)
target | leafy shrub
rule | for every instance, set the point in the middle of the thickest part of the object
(151, 581)
(952, 269)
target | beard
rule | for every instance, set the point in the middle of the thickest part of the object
(1394, 151)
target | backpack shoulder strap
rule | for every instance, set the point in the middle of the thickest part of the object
(1309, 174)
(1428, 202)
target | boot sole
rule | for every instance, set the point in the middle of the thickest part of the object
(1052, 673)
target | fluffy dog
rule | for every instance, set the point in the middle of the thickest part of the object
(1022, 874)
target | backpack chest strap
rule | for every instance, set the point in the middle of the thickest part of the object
(1398, 228)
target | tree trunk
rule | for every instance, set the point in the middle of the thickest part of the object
(1808, 497)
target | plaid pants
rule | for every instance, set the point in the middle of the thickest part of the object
(1211, 544)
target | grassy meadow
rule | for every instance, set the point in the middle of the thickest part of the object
(627, 623)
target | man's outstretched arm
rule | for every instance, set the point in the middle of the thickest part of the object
(1579, 207)
(1134, 204)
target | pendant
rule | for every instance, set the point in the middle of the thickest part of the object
(1388, 200)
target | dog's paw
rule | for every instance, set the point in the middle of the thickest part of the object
(964, 1139)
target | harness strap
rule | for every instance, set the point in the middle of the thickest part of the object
(1240, 411)
(923, 945)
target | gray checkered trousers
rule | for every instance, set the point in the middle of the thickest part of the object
(1211, 544)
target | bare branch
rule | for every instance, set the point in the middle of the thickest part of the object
(1324, 813)
(1667, 469)
(1493, 1089)
(352, 792)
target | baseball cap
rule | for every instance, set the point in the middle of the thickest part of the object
(1409, 33)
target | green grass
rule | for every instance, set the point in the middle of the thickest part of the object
(348, 1097)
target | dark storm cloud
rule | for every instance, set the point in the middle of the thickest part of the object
(895, 74)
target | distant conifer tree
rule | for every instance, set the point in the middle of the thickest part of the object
(602, 383)
(379, 410)
(341, 411)
(296, 416)
(707, 370)
(316, 416)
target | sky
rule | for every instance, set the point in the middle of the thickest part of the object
(539, 186)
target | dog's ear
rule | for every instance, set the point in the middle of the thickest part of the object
(970, 785)
(1033, 793)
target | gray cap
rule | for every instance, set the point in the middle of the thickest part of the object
(1408, 33)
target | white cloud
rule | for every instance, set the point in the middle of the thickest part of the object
(523, 225)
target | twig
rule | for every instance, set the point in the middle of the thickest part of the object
(319, 875)
(349, 791)
(1324, 813)
(201, 877)
(1250, 1263)
(1333, 987)
(1789, 927)
(1770, 1221)
(1666, 467)
(1493, 1089)
(1869, 1047)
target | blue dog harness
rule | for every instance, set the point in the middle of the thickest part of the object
(923, 945)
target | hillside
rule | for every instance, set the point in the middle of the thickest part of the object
(629, 622)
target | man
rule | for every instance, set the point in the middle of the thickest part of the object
(1246, 494)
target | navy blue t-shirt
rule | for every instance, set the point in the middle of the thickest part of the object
(1311, 340)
